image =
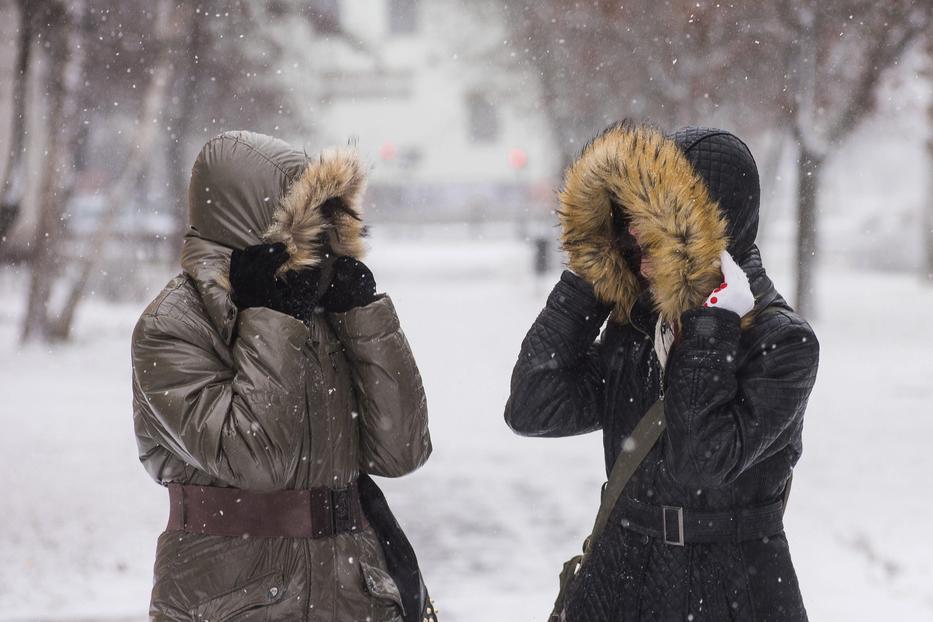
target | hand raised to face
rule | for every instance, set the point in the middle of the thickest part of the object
(353, 285)
(734, 293)
(252, 275)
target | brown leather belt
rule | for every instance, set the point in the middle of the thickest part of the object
(313, 513)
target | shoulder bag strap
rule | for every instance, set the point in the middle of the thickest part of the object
(635, 449)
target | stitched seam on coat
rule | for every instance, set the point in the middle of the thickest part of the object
(700, 139)
(694, 377)
(689, 551)
(748, 583)
(649, 549)
(261, 154)
(333, 548)
(164, 295)
(308, 573)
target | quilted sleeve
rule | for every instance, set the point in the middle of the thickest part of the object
(557, 382)
(725, 415)
(394, 434)
(241, 423)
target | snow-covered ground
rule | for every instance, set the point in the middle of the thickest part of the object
(492, 515)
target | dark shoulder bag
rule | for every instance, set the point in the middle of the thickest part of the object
(401, 562)
(634, 451)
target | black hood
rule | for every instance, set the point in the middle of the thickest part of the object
(726, 165)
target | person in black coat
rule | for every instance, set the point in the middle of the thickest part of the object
(660, 233)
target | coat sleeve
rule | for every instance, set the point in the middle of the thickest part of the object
(241, 421)
(394, 437)
(557, 382)
(723, 417)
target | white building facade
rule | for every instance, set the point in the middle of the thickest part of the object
(451, 131)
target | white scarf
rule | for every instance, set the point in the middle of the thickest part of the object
(663, 340)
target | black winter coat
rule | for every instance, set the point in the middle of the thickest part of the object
(735, 394)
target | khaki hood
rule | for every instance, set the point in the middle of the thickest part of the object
(647, 174)
(248, 188)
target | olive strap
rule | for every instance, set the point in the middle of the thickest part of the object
(635, 449)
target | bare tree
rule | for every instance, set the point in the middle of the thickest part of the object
(223, 70)
(112, 64)
(674, 63)
(182, 114)
(144, 138)
(65, 50)
(65, 30)
(807, 65)
(837, 52)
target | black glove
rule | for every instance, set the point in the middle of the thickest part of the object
(353, 285)
(300, 295)
(252, 276)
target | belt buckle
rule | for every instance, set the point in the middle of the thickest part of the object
(679, 513)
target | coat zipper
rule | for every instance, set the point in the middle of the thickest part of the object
(660, 367)
(309, 347)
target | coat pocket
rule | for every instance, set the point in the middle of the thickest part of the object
(382, 588)
(248, 598)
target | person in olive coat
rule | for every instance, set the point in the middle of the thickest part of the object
(269, 380)
(660, 232)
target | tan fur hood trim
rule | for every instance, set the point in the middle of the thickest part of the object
(683, 230)
(302, 216)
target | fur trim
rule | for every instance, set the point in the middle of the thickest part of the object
(682, 228)
(306, 219)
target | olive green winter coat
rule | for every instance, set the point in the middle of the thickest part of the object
(261, 401)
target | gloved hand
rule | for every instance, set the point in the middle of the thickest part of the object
(735, 294)
(353, 285)
(252, 276)
(254, 282)
(300, 296)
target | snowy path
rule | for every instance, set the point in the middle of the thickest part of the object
(491, 515)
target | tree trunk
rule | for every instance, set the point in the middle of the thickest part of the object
(66, 70)
(768, 173)
(189, 81)
(928, 221)
(809, 167)
(14, 181)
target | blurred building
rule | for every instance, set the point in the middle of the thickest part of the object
(451, 129)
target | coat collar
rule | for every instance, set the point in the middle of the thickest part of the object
(207, 264)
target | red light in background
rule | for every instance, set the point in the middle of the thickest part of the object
(388, 151)
(518, 159)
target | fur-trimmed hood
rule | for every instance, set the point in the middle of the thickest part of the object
(248, 188)
(323, 209)
(648, 175)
